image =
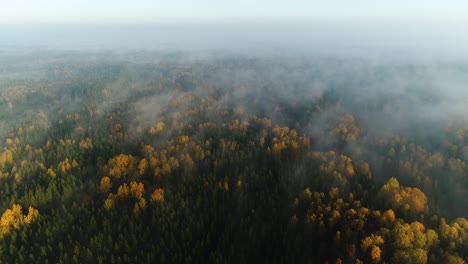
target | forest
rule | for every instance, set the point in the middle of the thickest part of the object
(179, 157)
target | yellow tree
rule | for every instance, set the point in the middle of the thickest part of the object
(32, 215)
(157, 195)
(13, 218)
(411, 242)
(6, 159)
(372, 242)
(143, 166)
(122, 166)
(404, 199)
(123, 191)
(110, 201)
(137, 189)
(106, 184)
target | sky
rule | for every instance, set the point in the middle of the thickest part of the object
(416, 26)
(151, 11)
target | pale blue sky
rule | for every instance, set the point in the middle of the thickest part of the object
(141, 11)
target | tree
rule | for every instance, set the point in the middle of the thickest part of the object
(13, 218)
(122, 166)
(403, 199)
(137, 189)
(143, 167)
(157, 195)
(106, 184)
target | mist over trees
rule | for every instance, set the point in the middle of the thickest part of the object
(180, 157)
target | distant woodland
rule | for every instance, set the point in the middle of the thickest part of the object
(173, 158)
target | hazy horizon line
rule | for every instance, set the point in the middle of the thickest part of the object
(244, 20)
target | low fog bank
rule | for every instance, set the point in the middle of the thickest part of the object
(386, 94)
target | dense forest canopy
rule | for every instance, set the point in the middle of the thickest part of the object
(179, 157)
